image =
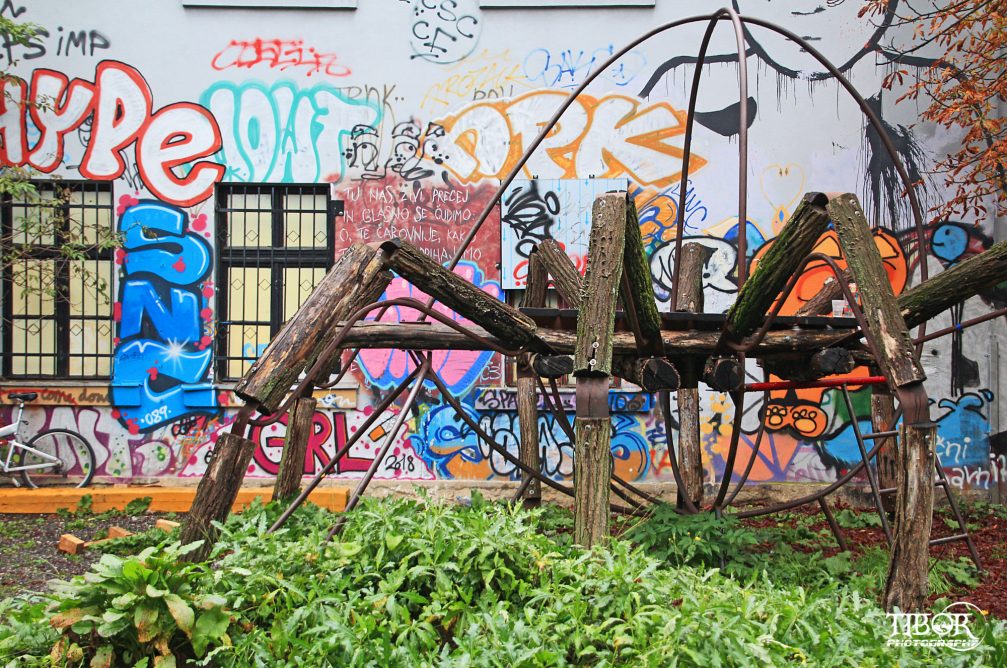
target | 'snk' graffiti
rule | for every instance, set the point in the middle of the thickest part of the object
(120, 105)
(161, 365)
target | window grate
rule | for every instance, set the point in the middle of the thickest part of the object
(57, 310)
(275, 243)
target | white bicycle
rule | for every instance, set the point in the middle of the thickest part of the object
(55, 457)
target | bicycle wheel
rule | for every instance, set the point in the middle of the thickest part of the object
(76, 467)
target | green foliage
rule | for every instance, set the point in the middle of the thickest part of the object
(138, 541)
(692, 540)
(418, 583)
(150, 606)
(847, 518)
(138, 506)
(25, 638)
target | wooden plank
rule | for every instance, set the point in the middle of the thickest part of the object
(641, 297)
(118, 532)
(596, 320)
(71, 544)
(357, 277)
(166, 525)
(825, 362)
(795, 241)
(496, 317)
(299, 429)
(564, 274)
(690, 279)
(164, 499)
(887, 329)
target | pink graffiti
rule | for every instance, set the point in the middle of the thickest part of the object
(281, 54)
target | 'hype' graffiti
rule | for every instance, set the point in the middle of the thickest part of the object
(162, 360)
(283, 132)
(601, 137)
(120, 104)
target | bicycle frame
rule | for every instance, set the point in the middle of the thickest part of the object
(13, 444)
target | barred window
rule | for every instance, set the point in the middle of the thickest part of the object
(275, 243)
(58, 262)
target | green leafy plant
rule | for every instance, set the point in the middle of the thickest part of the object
(131, 611)
(847, 518)
(696, 540)
(138, 506)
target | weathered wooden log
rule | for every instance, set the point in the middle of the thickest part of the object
(690, 279)
(551, 366)
(593, 367)
(596, 319)
(653, 374)
(826, 362)
(882, 413)
(922, 302)
(638, 297)
(888, 329)
(299, 427)
(496, 317)
(690, 449)
(528, 366)
(777, 266)
(724, 374)
(357, 278)
(434, 336)
(538, 281)
(592, 473)
(906, 586)
(216, 493)
(821, 302)
(527, 414)
(564, 274)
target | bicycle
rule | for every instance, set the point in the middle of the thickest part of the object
(52, 457)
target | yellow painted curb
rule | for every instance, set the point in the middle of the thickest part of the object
(163, 499)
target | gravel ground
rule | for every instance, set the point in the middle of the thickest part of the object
(28, 545)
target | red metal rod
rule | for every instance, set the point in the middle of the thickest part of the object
(825, 382)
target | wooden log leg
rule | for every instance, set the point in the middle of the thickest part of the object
(288, 480)
(906, 587)
(216, 493)
(593, 369)
(527, 413)
(690, 450)
(592, 469)
(882, 412)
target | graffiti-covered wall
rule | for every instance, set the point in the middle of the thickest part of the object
(398, 118)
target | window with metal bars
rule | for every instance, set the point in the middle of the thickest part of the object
(274, 244)
(58, 262)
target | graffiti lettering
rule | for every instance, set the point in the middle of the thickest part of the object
(281, 54)
(161, 365)
(444, 31)
(120, 103)
(283, 132)
(603, 137)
